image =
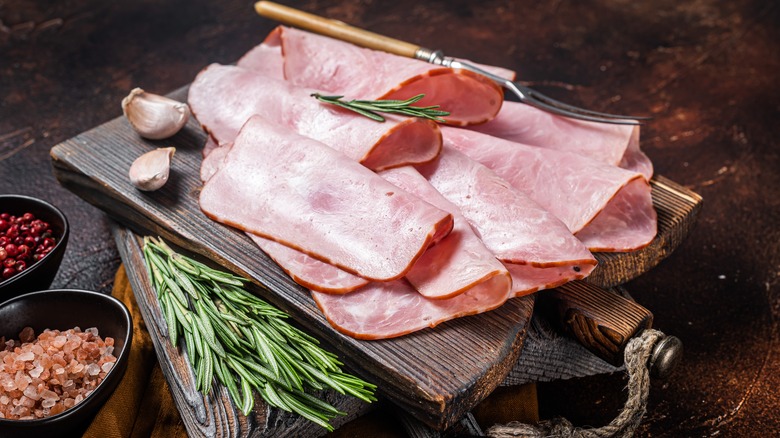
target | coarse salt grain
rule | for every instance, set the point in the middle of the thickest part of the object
(44, 376)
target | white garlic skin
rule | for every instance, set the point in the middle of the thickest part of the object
(153, 116)
(150, 171)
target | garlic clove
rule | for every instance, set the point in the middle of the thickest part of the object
(153, 116)
(150, 171)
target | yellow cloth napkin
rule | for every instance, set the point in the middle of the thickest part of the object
(142, 405)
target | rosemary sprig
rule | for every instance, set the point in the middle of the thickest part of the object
(370, 108)
(243, 341)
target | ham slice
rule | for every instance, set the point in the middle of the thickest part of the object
(224, 97)
(298, 192)
(326, 64)
(213, 161)
(308, 271)
(577, 190)
(266, 58)
(537, 248)
(457, 263)
(454, 265)
(392, 309)
(611, 144)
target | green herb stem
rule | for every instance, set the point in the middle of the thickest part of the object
(370, 108)
(243, 341)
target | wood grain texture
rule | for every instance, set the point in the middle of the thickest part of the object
(435, 374)
(677, 208)
(602, 321)
(215, 414)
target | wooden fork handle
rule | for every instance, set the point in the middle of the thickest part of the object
(335, 29)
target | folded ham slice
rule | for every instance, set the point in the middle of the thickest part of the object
(458, 262)
(308, 271)
(611, 144)
(224, 97)
(454, 265)
(316, 61)
(298, 192)
(392, 309)
(266, 58)
(537, 248)
(614, 203)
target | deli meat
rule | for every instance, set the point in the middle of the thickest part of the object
(224, 97)
(537, 248)
(395, 308)
(266, 58)
(457, 263)
(308, 271)
(609, 143)
(577, 190)
(333, 66)
(298, 192)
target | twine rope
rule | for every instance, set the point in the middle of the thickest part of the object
(637, 356)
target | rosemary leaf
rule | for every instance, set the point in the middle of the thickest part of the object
(202, 319)
(189, 341)
(249, 401)
(264, 351)
(175, 290)
(170, 319)
(180, 313)
(304, 410)
(182, 280)
(272, 397)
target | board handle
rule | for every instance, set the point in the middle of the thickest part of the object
(602, 321)
(335, 29)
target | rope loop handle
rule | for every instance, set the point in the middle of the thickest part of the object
(637, 357)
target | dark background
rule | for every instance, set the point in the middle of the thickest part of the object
(705, 70)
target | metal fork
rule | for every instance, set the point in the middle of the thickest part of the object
(528, 95)
(339, 30)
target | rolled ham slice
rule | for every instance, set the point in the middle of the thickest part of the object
(224, 97)
(614, 203)
(612, 144)
(326, 64)
(298, 192)
(537, 248)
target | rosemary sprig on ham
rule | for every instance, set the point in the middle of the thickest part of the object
(243, 341)
(371, 108)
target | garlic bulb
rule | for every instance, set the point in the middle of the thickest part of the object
(150, 171)
(154, 117)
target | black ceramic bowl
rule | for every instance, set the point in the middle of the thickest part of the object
(65, 309)
(39, 275)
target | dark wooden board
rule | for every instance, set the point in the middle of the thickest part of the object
(419, 372)
(213, 415)
(437, 375)
(677, 208)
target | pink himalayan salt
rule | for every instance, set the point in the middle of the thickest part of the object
(51, 373)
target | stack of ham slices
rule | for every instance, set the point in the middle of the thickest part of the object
(399, 226)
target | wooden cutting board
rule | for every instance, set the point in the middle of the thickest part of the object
(437, 375)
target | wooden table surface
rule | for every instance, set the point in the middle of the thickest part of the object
(705, 70)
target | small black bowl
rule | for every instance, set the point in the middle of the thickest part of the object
(40, 274)
(64, 309)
